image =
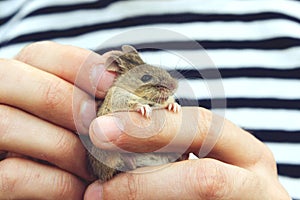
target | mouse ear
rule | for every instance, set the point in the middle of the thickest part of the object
(129, 49)
(121, 62)
(111, 65)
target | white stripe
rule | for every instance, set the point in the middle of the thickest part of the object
(272, 119)
(175, 6)
(29, 7)
(223, 58)
(278, 59)
(9, 7)
(288, 58)
(285, 153)
(292, 186)
(239, 87)
(236, 31)
(288, 7)
(197, 31)
(204, 30)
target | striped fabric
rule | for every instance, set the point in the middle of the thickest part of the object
(255, 45)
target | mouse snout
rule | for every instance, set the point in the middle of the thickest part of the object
(173, 85)
(170, 84)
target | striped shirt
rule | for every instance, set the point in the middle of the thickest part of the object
(252, 49)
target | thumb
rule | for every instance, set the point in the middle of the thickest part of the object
(192, 130)
(163, 132)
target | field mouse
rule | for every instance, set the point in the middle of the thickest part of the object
(138, 87)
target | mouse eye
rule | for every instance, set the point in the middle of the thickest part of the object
(146, 78)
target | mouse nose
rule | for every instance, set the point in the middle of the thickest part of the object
(173, 85)
(170, 84)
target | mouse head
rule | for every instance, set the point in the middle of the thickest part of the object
(146, 81)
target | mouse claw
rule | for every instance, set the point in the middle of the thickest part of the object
(175, 107)
(145, 110)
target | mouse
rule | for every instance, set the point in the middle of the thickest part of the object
(138, 87)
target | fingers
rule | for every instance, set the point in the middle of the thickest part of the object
(194, 179)
(27, 135)
(45, 95)
(202, 133)
(24, 179)
(73, 64)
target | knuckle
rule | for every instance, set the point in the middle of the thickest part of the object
(204, 122)
(53, 94)
(29, 51)
(131, 185)
(63, 147)
(210, 181)
(205, 117)
(8, 177)
(5, 66)
(55, 97)
(5, 121)
(269, 160)
(4, 62)
(63, 185)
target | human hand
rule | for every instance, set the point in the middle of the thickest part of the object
(238, 166)
(41, 157)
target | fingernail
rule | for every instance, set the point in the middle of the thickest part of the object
(87, 112)
(107, 128)
(101, 79)
(94, 191)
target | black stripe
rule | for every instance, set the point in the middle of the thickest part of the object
(263, 44)
(171, 18)
(266, 44)
(276, 43)
(6, 19)
(232, 103)
(246, 72)
(271, 43)
(289, 170)
(280, 136)
(267, 103)
(67, 8)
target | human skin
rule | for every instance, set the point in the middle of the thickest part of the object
(36, 89)
(46, 159)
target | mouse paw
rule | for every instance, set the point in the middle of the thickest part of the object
(145, 110)
(175, 107)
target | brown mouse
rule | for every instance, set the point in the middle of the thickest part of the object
(138, 87)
